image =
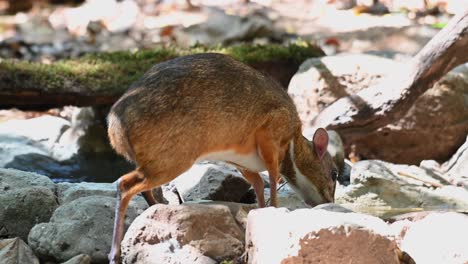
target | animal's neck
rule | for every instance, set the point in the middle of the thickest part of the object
(297, 148)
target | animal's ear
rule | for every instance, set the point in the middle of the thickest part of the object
(320, 142)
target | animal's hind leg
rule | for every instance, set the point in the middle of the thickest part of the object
(149, 197)
(257, 182)
(127, 186)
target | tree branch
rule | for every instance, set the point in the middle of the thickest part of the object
(379, 105)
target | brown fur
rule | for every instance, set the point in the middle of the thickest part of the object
(187, 107)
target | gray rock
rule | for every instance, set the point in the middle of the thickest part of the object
(80, 259)
(287, 197)
(31, 129)
(333, 208)
(211, 182)
(226, 29)
(457, 167)
(318, 235)
(15, 251)
(321, 81)
(26, 199)
(385, 189)
(210, 229)
(11, 179)
(336, 150)
(67, 192)
(77, 150)
(82, 226)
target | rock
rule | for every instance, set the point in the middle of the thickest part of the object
(213, 31)
(15, 251)
(210, 229)
(211, 182)
(29, 129)
(238, 210)
(21, 137)
(26, 199)
(80, 259)
(438, 238)
(67, 192)
(168, 252)
(11, 179)
(75, 150)
(82, 226)
(318, 236)
(321, 81)
(377, 187)
(287, 198)
(457, 167)
(336, 150)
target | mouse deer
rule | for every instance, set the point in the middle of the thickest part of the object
(212, 107)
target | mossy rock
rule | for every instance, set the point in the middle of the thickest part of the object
(108, 75)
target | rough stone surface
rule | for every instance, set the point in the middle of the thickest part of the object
(211, 182)
(226, 29)
(321, 81)
(168, 252)
(317, 236)
(82, 226)
(382, 189)
(438, 238)
(457, 167)
(15, 179)
(287, 198)
(80, 259)
(67, 192)
(73, 150)
(26, 199)
(210, 229)
(15, 251)
(336, 150)
(386, 189)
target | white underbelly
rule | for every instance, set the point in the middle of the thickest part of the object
(251, 161)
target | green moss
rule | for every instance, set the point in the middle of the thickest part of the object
(113, 72)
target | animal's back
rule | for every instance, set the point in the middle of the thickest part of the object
(198, 103)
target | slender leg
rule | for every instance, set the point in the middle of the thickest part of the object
(149, 197)
(270, 152)
(257, 182)
(128, 185)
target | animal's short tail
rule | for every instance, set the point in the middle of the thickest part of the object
(118, 137)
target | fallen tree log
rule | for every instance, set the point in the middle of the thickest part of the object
(100, 79)
(356, 115)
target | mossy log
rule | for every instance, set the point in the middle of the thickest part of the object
(99, 79)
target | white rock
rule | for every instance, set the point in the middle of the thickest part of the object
(438, 238)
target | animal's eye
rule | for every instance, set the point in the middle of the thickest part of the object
(334, 174)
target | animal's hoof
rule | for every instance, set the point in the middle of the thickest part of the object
(114, 258)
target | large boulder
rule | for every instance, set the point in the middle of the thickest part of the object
(82, 226)
(26, 199)
(15, 251)
(211, 230)
(434, 237)
(67, 192)
(321, 81)
(211, 182)
(276, 235)
(76, 148)
(377, 185)
(456, 168)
